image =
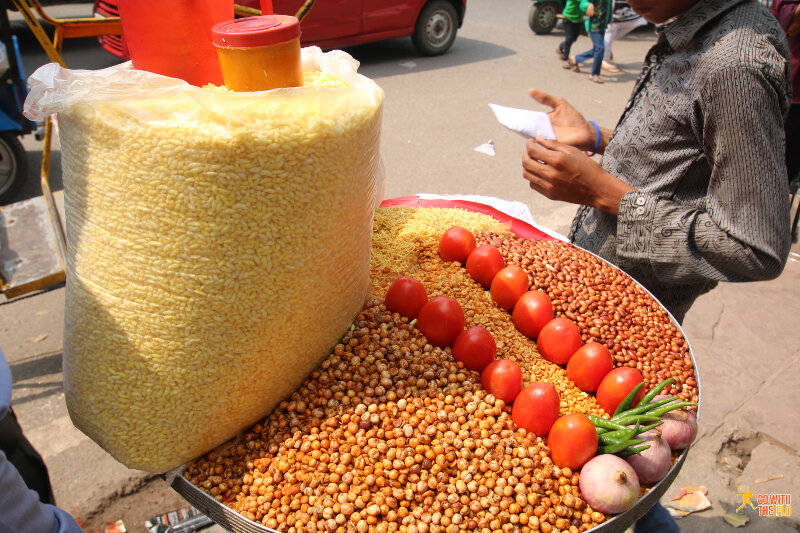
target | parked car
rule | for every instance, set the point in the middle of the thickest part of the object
(431, 24)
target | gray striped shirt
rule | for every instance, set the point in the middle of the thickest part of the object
(702, 140)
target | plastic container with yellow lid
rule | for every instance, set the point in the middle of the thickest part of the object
(259, 53)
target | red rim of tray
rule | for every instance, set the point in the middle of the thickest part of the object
(519, 227)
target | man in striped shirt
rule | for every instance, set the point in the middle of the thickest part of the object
(692, 188)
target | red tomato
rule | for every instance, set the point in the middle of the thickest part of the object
(406, 297)
(532, 311)
(572, 441)
(456, 244)
(503, 378)
(616, 385)
(441, 320)
(536, 408)
(475, 347)
(508, 285)
(484, 263)
(589, 365)
(558, 340)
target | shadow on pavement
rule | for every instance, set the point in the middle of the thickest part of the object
(394, 57)
(27, 378)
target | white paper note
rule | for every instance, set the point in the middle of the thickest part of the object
(527, 123)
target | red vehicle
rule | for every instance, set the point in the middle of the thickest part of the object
(431, 24)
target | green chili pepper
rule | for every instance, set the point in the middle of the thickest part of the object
(622, 435)
(671, 407)
(619, 446)
(642, 408)
(645, 429)
(633, 450)
(632, 419)
(647, 398)
(608, 436)
(602, 423)
(611, 437)
(626, 402)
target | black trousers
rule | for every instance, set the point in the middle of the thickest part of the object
(572, 31)
(25, 458)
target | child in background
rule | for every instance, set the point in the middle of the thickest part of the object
(599, 12)
(623, 21)
(573, 18)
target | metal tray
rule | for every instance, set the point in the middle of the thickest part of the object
(236, 523)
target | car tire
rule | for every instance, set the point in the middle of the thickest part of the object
(543, 17)
(13, 166)
(436, 28)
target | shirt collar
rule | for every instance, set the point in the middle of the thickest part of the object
(680, 30)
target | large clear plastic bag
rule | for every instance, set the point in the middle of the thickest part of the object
(218, 246)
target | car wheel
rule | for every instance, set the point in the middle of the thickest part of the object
(436, 28)
(543, 17)
(13, 166)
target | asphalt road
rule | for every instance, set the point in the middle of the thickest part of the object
(436, 113)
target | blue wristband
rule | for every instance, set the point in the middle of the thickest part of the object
(597, 139)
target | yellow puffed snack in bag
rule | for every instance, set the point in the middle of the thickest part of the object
(218, 245)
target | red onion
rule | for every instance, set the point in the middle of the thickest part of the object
(654, 462)
(679, 428)
(609, 484)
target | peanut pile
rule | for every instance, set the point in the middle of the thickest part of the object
(391, 434)
(608, 306)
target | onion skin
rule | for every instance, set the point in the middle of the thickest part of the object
(679, 428)
(609, 484)
(654, 462)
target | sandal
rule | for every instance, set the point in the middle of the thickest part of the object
(596, 79)
(574, 64)
(566, 65)
(610, 67)
(559, 51)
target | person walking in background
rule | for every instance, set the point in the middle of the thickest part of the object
(599, 13)
(788, 14)
(573, 21)
(623, 21)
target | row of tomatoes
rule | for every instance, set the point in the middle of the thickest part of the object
(572, 438)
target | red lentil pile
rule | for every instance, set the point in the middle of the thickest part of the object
(391, 434)
(608, 306)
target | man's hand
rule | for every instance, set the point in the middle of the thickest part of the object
(590, 10)
(566, 174)
(568, 124)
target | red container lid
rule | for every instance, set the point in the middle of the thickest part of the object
(251, 32)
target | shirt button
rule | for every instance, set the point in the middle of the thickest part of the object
(640, 210)
(640, 200)
(653, 58)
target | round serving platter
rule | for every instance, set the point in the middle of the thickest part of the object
(236, 523)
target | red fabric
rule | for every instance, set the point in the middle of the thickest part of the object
(519, 227)
(784, 12)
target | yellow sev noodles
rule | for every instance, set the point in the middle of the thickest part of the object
(400, 234)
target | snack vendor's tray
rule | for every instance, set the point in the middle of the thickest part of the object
(234, 522)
